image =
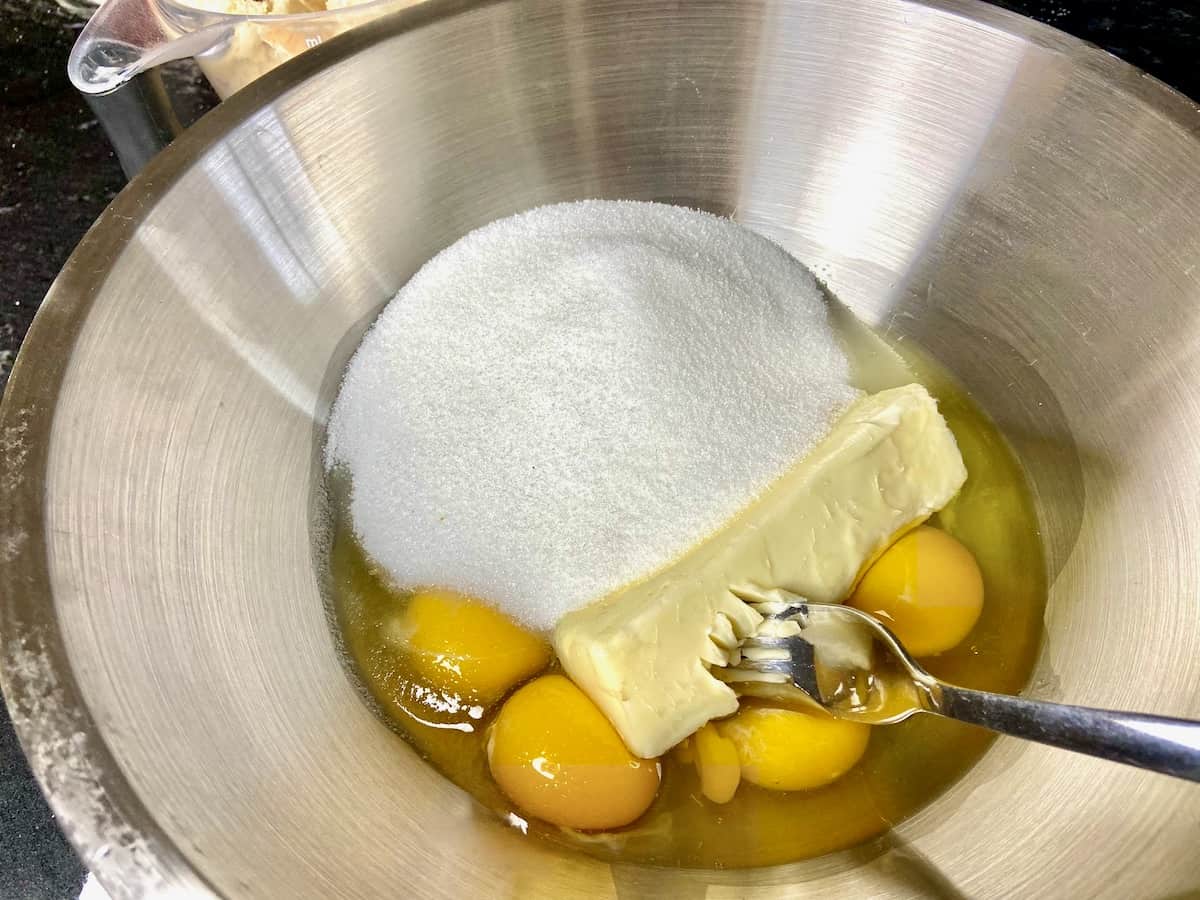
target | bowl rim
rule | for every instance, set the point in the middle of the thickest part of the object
(96, 806)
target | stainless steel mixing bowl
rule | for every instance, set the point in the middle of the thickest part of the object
(1020, 204)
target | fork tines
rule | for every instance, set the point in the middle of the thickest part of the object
(766, 642)
(771, 666)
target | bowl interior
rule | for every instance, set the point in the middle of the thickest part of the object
(1018, 204)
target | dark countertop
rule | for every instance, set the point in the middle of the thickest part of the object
(57, 172)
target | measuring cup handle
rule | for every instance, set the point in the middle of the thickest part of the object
(125, 37)
(138, 119)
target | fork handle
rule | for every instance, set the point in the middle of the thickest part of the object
(1157, 743)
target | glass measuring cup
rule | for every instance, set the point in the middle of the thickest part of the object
(126, 37)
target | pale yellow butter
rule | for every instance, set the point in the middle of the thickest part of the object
(643, 653)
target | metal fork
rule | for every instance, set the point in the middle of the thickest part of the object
(854, 667)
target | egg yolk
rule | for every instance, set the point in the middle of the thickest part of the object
(555, 755)
(716, 759)
(464, 647)
(785, 750)
(927, 588)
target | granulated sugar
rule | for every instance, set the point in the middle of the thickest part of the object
(566, 400)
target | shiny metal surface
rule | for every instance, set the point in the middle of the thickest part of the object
(1020, 204)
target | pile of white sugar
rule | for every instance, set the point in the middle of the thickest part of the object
(566, 400)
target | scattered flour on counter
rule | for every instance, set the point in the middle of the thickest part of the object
(566, 400)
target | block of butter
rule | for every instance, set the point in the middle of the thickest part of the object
(643, 653)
